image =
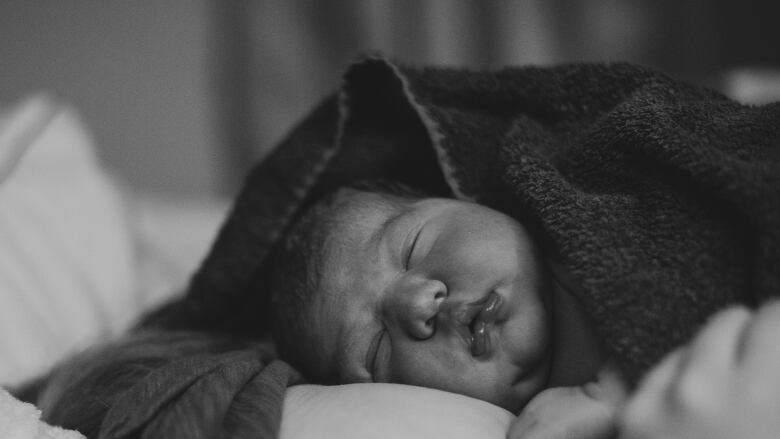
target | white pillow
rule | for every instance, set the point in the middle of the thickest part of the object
(66, 252)
(379, 411)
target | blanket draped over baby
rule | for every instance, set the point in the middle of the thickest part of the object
(656, 202)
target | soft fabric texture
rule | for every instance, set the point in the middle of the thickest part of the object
(171, 236)
(81, 254)
(195, 398)
(20, 420)
(379, 411)
(170, 385)
(656, 202)
(67, 269)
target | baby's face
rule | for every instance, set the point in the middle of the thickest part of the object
(433, 292)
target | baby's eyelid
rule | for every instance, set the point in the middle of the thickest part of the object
(410, 248)
(373, 353)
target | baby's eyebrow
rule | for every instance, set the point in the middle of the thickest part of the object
(391, 219)
(400, 210)
(376, 235)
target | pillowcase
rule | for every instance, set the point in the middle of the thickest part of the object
(388, 411)
(66, 253)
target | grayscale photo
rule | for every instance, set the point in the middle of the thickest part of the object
(380, 219)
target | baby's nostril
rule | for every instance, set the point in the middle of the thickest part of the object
(439, 295)
(429, 323)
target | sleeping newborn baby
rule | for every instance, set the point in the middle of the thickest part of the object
(379, 284)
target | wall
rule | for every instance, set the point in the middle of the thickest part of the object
(184, 95)
(138, 72)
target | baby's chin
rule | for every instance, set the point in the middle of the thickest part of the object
(530, 375)
(516, 394)
(514, 399)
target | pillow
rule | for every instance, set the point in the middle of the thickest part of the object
(172, 234)
(388, 411)
(66, 253)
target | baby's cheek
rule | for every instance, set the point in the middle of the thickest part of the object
(527, 349)
(451, 371)
(427, 364)
(467, 270)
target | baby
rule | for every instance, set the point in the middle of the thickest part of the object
(378, 283)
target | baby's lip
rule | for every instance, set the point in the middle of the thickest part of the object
(476, 320)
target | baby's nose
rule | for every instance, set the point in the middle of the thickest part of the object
(415, 304)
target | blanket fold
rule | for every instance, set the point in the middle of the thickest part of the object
(170, 385)
(657, 202)
(235, 395)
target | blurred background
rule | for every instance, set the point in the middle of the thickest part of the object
(182, 96)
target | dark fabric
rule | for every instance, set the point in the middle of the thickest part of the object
(657, 202)
(234, 395)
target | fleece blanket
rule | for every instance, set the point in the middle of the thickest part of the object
(21, 420)
(657, 202)
(237, 395)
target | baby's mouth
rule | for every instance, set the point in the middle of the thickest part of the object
(486, 314)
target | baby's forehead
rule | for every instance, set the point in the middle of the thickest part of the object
(353, 223)
(353, 205)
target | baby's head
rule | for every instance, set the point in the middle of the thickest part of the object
(379, 284)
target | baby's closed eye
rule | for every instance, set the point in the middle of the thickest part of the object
(411, 244)
(377, 355)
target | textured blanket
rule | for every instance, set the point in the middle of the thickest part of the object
(21, 420)
(656, 202)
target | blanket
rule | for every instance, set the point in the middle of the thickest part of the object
(21, 420)
(233, 395)
(656, 202)
(169, 385)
